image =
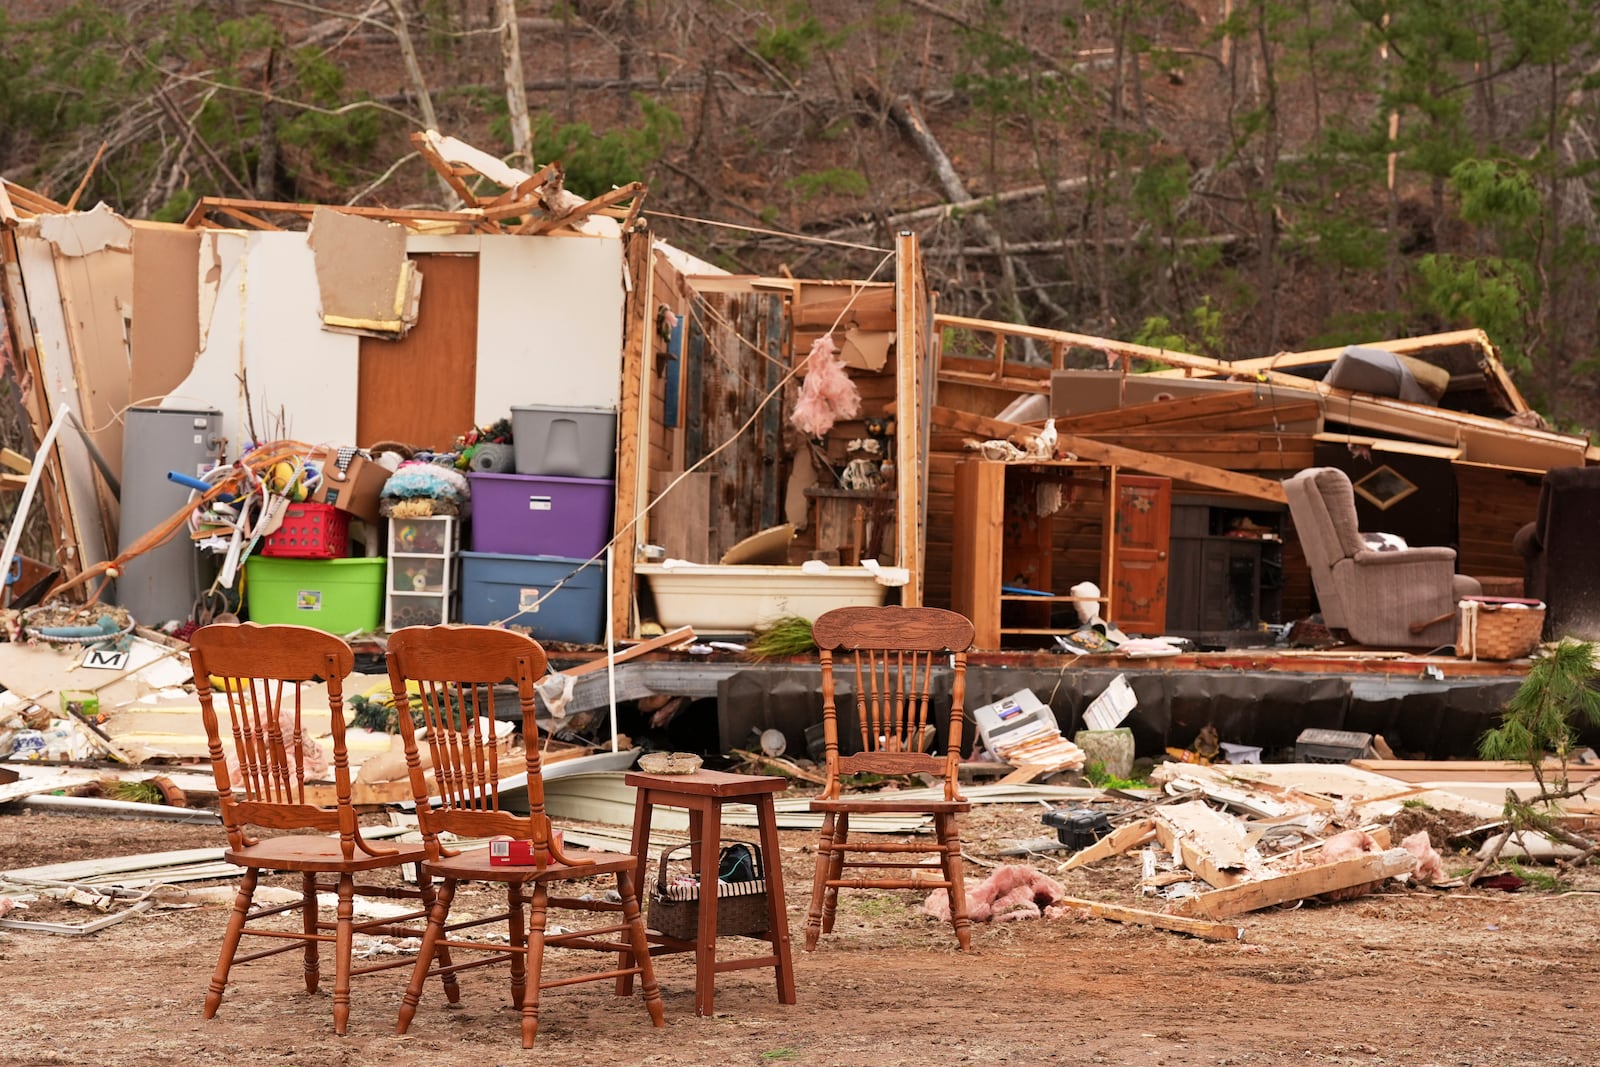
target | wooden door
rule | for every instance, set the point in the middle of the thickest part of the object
(421, 389)
(1143, 525)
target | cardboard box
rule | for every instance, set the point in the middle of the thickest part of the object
(355, 487)
(507, 852)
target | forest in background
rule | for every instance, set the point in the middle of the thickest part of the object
(1227, 177)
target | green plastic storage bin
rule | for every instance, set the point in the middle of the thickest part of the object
(340, 596)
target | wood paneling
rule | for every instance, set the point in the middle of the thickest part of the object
(420, 389)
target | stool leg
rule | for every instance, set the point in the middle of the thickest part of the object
(777, 913)
(830, 903)
(705, 948)
(819, 880)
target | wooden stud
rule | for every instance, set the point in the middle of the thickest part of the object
(1298, 885)
(1122, 839)
(1211, 931)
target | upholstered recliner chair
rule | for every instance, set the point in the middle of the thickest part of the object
(1558, 548)
(1401, 598)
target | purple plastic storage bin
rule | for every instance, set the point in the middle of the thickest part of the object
(534, 515)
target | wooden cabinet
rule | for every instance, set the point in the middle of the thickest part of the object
(1224, 580)
(1005, 573)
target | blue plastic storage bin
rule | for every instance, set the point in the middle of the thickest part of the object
(516, 591)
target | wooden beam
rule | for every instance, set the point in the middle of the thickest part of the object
(583, 210)
(15, 461)
(233, 206)
(1211, 931)
(1143, 462)
(451, 174)
(670, 639)
(1172, 442)
(913, 406)
(1127, 836)
(1298, 885)
(1123, 349)
(1156, 412)
(633, 416)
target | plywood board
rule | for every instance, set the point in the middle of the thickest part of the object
(165, 341)
(421, 389)
(549, 323)
(96, 294)
(264, 322)
(678, 521)
(36, 260)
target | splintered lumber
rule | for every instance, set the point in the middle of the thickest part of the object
(1127, 836)
(1210, 843)
(1144, 462)
(1298, 885)
(1211, 931)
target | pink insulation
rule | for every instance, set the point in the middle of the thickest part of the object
(1430, 865)
(1011, 892)
(827, 394)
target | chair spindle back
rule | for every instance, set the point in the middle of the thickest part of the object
(892, 652)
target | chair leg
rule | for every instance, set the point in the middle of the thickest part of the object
(230, 940)
(452, 988)
(830, 902)
(819, 881)
(344, 943)
(950, 858)
(516, 900)
(641, 949)
(308, 923)
(535, 962)
(425, 955)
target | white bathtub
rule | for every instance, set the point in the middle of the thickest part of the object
(719, 598)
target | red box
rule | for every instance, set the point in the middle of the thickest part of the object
(506, 852)
(310, 531)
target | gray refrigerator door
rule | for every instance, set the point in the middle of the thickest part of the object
(163, 584)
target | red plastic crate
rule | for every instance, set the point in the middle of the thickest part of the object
(310, 531)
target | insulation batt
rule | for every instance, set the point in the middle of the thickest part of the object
(316, 762)
(827, 394)
(1011, 892)
(1430, 866)
(1344, 846)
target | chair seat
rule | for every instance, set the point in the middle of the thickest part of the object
(860, 806)
(314, 852)
(474, 865)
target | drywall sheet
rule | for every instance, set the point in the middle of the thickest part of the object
(549, 323)
(165, 340)
(97, 297)
(36, 258)
(366, 283)
(264, 323)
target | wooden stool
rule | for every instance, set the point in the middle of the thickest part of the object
(703, 793)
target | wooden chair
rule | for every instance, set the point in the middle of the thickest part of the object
(893, 651)
(265, 787)
(454, 667)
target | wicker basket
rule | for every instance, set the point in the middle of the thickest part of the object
(741, 906)
(1500, 585)
(1499, 629)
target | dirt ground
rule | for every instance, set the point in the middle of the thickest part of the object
(1407, 976)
